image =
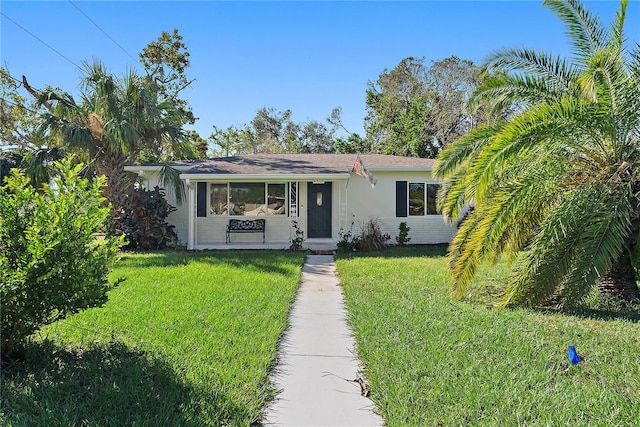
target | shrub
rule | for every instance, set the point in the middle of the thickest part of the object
(296, 241)
(51, 263)
(347, 242)
(370, 239)
(143, 223)
(403, 234)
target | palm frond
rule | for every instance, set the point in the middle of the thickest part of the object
(585, 30)
(576, 243)
(555, 69)
(170, 178)
(617, 27)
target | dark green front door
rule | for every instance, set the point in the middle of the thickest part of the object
(319, 210)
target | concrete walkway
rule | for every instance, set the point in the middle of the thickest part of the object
(317, 361)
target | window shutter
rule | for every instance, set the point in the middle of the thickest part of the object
(401, 199)
(201, 200)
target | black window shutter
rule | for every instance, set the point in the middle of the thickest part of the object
(401, 199)
(201, 199)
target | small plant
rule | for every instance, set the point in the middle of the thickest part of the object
(403, 234)
(347, 242)
(296, 241)
(372, 238)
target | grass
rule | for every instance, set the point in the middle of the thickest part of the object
(187, 339)
(430, 360)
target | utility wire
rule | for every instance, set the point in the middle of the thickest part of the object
(103, 31)
(40, 40)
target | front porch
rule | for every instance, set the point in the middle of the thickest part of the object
(313, 245)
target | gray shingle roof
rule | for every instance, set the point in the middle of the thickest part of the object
(267, 164)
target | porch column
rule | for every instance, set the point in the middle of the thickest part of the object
(192, 215)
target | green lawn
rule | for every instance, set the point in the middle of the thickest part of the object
(187, 339)
(434, 361)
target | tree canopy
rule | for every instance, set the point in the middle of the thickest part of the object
(415, 110)
(274, 131)
(554, 185)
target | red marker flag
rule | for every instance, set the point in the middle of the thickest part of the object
(359, 169)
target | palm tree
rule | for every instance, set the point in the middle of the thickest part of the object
(118, 121)
(556, 185)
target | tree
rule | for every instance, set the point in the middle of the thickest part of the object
(51, 263)
(118, 121)
(18, 116)
(555, 185)
(166, 61)
(416, 111)
(273, 131)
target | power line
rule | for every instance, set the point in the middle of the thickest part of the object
(103, 31)
(40, 40)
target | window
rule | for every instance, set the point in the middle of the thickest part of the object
(415, 198)
(247, 199)
(432, 193)
(276, 199)
(241, 199)
(218, 199)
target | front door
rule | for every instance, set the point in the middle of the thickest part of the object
(319, 210)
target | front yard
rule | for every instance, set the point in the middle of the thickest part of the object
(190, 339)
(187, 339)
(434, 361)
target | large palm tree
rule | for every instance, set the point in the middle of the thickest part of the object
(556, 185)
(117, 121)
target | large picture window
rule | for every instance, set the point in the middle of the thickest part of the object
(243, 199)
(416, 198)
(246, 199)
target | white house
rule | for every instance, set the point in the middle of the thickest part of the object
(321, 193)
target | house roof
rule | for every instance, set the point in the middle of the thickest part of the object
(298, 164)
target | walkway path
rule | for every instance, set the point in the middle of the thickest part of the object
(317, 359)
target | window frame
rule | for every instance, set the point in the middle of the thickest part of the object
(206, 187)
(403, 198)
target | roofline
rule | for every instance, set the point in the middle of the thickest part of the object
(399, 169)
(154, 168)
(264, 177)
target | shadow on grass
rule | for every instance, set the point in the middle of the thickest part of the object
(267, 261)
(408, 251)
(594, 313)
(108, 386)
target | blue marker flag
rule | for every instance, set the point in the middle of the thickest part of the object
(573, 355)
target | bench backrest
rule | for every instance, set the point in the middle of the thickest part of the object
(246, 224)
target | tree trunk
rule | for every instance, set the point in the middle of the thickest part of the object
(620, 280)
(117, 190)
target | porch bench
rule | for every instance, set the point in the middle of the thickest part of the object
(246, 226)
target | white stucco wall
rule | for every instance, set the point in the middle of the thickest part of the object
(354, 203)
(379, 203)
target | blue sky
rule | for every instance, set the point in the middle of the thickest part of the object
(305, 56)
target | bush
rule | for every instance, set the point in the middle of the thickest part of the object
(143, 223)
(370, 239)
(403, 234)
(51, 263)
(296, 241)
(348, 242)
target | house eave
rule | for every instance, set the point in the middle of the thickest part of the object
(141, 169)
(233, 177)
(399, 169)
